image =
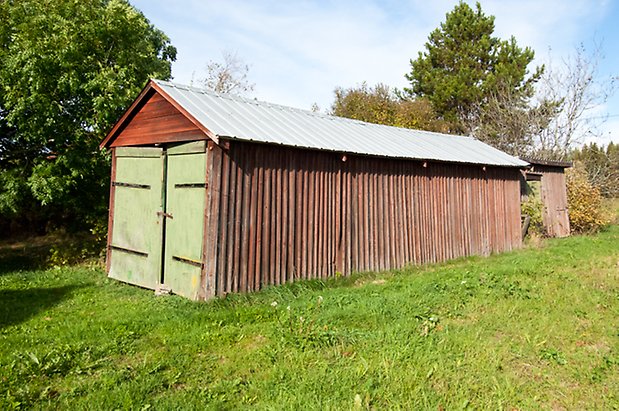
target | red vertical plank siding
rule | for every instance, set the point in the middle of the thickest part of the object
(244, 245)
(430, 204)
(304, 222)
(273, 242)
(330, 214)
(283, 214)
(317, 211)
(419, 225)
(322, 219)
(378, 220)
(265, 248)
(298, 228)
(279, 245)
(388, 231)
(349, 221)
(236, 245)
(400, 240)
(405, 213)
(222, 256)
(415, 226)
(364, 197)
(311, 204)
(258, 228)
(282, 201)
(373, 228)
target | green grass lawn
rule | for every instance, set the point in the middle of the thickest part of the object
(536, 328)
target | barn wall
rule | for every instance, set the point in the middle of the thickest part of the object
(554, 197)
(157, 121)
(285, 214)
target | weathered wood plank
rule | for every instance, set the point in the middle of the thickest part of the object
(259, 209)
(209, 248)
(231, 226)
(224, 224)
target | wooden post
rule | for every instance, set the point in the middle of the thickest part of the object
(211, 221)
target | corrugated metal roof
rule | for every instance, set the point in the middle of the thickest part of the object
(251, 120)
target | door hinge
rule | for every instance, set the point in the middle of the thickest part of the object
(130, 185)
(166, 215)
(187, 261)
(191, 185)
(128, 250)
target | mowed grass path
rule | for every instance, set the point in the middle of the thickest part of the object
(536, 328)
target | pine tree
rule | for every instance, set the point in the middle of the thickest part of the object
(464, 65)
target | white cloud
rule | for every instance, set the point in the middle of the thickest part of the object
(299, 51)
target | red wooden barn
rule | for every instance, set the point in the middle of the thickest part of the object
(214, 194)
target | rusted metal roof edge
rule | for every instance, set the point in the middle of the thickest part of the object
(223, 139)
(551, 163)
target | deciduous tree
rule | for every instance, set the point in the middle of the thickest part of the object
(229, 76)
(578, 90)
(68, 69)
(512, 123)
(382, 105)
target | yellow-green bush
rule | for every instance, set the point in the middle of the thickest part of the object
(533, 208)
(586, 211)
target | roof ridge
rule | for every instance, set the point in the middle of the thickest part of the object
(237, 98)
(297, 110)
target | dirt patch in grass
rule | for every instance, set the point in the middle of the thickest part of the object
(253, 343)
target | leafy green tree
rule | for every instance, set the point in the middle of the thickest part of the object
(68, 69)
(381, 105)
(464, 65)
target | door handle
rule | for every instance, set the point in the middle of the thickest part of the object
(166, 215)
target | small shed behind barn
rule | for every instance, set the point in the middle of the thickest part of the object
(213, 194)
(553, 194)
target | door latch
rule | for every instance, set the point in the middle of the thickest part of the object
(166, 215)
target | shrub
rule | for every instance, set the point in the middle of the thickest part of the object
(533, 207)
(584, 200)
(74, 248)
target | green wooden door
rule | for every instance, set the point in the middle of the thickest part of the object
(135, 247)
(184, 226)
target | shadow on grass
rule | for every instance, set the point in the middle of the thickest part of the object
(17, 306)
(41, 252)
(23, 258)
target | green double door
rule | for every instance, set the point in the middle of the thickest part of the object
(158, 217)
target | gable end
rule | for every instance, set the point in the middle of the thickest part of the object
(153, 119)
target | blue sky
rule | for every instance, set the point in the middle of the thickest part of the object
(299, 51)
